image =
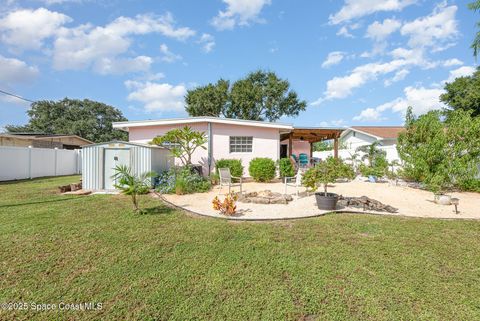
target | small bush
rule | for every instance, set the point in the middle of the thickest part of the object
(262, 169)
(285, 168)
(235, 166)
(470, 185)
(182, 181)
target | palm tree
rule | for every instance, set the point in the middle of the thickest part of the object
(370, 152)
(475, 6)
(131, 184)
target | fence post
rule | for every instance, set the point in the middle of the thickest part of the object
(30, 162)
(55, 170)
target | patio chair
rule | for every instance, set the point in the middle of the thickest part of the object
(295, 157)
(294, 181)
(303, 160)
(226, 179)
(294, 163)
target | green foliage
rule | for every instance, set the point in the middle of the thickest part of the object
(262, 169)
(471, 185)
(86, 118)
(133, 185)
(475, 6)
(463, 93)
(182, 180)
(285, 168)
(235, 166)
(440, 152)
(377, 164)
(182, 143)
(209, 100)
(261, 95)
(326, 172)
(322, 146)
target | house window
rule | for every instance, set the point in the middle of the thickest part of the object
(354, 134)
(241, 144)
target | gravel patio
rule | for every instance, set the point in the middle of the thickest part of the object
(409, 201)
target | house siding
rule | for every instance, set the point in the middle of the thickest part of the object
(265, 141)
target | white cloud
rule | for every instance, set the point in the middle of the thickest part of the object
(105, 66)
(369, 114)
(381, 30)
(399, 75)
(460, 72)
(86, 45)
(452, 62)
(432, 30)
(168, 56)
(343, 31)
(27, 29)
(333, 58)
(14, 71)
(353, 9)
(333, 123)
(157, 97)
(207, 41)
(239, 12)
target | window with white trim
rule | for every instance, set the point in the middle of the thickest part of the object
(241, 144)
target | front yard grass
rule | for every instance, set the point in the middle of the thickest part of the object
(167, 264)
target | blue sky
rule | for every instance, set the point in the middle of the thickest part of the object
(353, 61)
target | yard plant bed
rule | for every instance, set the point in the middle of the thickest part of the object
(168, 265)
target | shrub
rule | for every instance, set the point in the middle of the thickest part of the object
(235, 166)
(133, 185)
(326, 172)
(262, 169)
(285, 168)
(471, 185)
(182, 180)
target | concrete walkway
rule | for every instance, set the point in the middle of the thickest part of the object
(410, 202)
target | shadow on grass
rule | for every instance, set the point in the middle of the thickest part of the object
(157, 210)
(39, 202)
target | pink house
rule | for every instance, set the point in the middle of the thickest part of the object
(234, 138)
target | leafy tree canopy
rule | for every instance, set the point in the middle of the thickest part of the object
(475, 6)
(463, 93)
(182, 142)
(209, 100)
(86, 118)
(441, 152)
(261, 95)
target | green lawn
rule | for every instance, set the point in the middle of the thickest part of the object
(169, 265)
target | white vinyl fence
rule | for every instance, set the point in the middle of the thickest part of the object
(391, 153)
(29, 162)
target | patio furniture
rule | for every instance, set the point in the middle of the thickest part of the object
(303, 160)
(294, 181)
(294, 157)
(226, 179)
(294, 163)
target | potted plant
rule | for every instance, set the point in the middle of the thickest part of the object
(324, 173)
(438, 184)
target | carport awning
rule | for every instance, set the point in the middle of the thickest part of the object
(313, 135)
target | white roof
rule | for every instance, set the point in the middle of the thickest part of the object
(191, 120)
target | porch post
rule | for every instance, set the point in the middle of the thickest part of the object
(290, 143)
(311, 150)
(335, 147)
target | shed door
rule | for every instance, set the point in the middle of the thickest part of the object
(112, 158)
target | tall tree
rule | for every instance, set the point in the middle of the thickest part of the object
(260, 95)
(263, 96)
(209, 100)
(439, 151)
(463, 93)
(475, 6)
(86, 118)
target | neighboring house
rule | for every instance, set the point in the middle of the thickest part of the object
(234, 138)
(357, 136)
(40, 140)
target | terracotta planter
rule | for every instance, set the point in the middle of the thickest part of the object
(326, 202)
(443, 199)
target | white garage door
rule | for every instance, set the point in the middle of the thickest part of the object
(114, 157)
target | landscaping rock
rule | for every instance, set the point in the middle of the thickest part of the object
(264, 197)
(366, 203)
